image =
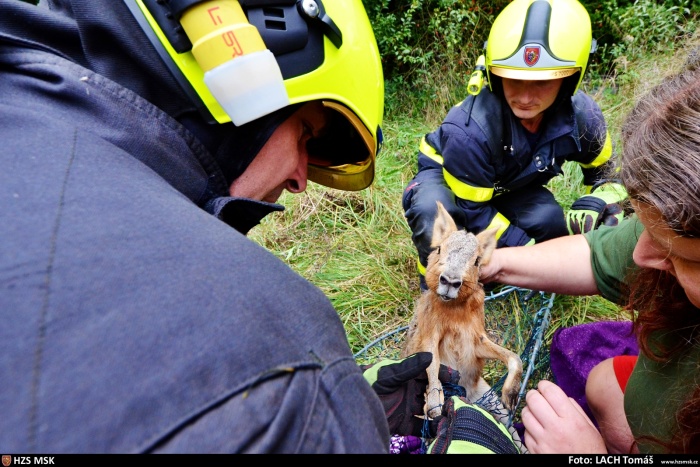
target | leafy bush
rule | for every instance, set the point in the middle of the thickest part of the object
(428, 47)
(629, 30)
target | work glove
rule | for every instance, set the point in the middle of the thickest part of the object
(401, 385)
(466, 428)
(603, 206)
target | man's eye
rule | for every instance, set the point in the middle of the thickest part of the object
(307, 130)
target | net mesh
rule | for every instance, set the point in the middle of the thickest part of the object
(517, 319)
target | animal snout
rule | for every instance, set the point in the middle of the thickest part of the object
(444, 280)
(448, 289)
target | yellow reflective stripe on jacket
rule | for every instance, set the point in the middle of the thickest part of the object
(429, 151)
(421, 268)
(468, 192)
(500, 221)
(604, 155)
(461, 189)
(458, 446)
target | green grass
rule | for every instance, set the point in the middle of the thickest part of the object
(356, 246)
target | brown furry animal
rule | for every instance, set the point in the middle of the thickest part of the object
(448, 318)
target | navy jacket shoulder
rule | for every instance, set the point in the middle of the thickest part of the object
(135, 320)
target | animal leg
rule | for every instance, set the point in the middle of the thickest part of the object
(511, 386)
(434, 396)
(423, 339)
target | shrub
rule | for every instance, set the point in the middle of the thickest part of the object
(429, 47)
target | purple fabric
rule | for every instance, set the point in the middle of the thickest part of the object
(577, 349)
(406, 445)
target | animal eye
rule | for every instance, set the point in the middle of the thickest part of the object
(477, 261)
(438, 250)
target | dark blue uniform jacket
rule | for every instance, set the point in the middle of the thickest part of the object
(481, 150)
(134, 317)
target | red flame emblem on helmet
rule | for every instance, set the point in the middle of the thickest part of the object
(531, 55)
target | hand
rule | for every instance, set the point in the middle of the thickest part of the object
(491, 270)
(466, 428)
(401, 385)
(556, 424)
(601, 207)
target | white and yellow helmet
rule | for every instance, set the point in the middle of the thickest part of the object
(324, 49)
(539, 40)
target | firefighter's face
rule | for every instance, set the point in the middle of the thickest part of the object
(529, 99)
(282, 162)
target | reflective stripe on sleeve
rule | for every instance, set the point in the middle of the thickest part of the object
(461, 189)
(500, 221)
(465, 191)
(429, 151)
(604, 155)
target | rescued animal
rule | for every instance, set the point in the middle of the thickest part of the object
(449, 321)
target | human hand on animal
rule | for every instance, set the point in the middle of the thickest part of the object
(489, 272)
(400, 385)
(556, 424)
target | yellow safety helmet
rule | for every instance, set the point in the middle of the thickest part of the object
(539, 40)
(318, 50)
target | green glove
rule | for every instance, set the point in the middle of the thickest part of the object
(601, 207)
(400, 385)
(469, 429)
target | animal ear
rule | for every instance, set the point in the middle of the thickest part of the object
(487, 243)
(444, 225)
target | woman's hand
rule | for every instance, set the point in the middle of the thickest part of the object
(556, 424)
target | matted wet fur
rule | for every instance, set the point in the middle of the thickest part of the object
(448, 318)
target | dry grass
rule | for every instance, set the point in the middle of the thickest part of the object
(357, 246)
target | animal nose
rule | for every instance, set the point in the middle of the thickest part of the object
(450, 283)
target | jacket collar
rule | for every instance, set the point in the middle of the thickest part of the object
(240, 213)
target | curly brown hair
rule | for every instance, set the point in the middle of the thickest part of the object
(661, 168)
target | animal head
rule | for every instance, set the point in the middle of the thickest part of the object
(453, 265)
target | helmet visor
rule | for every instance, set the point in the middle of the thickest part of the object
(343, 157)
(532, 74)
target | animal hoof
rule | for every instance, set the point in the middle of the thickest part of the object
(435, 412)
(433, 402)
(509, 399)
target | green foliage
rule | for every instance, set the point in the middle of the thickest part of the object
(629, 30)
(414, 34)
(429, 47)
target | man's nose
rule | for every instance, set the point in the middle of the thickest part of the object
(296, 183)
